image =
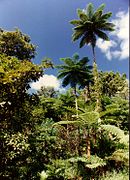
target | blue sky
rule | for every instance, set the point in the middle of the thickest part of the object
(47, 23)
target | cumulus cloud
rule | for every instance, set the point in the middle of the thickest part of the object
(118, 46)
(46, 81)
(106, 46)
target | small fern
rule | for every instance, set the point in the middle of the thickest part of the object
(121, 155)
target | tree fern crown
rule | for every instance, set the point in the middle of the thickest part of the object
(74, 71)
(91, 24)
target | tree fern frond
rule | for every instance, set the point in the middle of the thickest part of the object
(82, 15)
(66, 81)
(82, 42)
(67, 122)
(125, 140)
(77, 34)
(102, 35)
(68, 61)
(89, 10)
(89, 117)
(109, 111)
(106, 15)
(101, 7)
(80, 27)
(75, 22)
(106, 26)
(114, 130)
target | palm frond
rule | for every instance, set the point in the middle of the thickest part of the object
(66, 81)
(76, 22)
(106, 15)
(83, 61)
(82, 15)
(82, 42)
(77, 34)
(96, 16)
(102, 35)
(68, 61)
(80, 27)
(106, 25)
(75, 57)
(101, 7)
(90, 10)
(62, 75)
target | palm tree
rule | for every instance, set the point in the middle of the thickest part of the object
(74, 72)
(91, 25)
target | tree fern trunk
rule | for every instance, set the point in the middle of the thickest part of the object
(88, 146)
(88, 143)
(97, 88)
(96, 82)
(76, 107)
(87, 93)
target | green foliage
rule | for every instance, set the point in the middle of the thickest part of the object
(61, 169)
(121, 175)
(72, 168)
(43, 175)
(15, 103)
(47, 92)
(15, 43)
(111, 129)
(89, 118)
(116, 112)
(114, 130)
(112, 83)
(47, 63)
(14, 83)
(121, 156)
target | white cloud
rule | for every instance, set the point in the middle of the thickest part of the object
(106, 46)
(118, 46)
(46, 81)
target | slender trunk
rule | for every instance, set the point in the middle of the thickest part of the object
(88, 148)
(87, 93)
(76, 107)
(88, 145)
(96, 83)
(67, 133)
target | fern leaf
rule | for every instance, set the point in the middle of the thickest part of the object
(66, 122)
(120, 155)
(114, 130)
(90, 117)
